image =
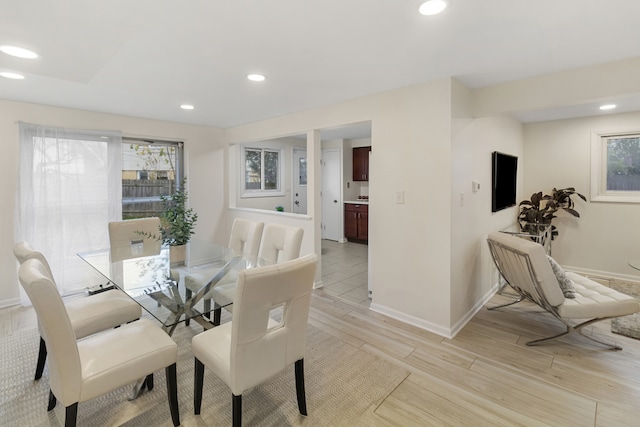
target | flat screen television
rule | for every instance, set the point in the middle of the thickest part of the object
(504, 172)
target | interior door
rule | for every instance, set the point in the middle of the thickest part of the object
(299, 181)
(332, 209)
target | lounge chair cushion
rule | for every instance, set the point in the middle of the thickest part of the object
(593, 300)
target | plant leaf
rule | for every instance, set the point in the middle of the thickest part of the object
(572, 212)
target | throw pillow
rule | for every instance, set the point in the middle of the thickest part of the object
(566, 284)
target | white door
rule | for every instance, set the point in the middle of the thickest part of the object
(331, 195)
(299, 181)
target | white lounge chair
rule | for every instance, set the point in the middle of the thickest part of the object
(526, 268)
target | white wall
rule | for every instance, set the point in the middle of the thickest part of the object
(473, 274)
(204, 167)
(606, 235)
(409, 244)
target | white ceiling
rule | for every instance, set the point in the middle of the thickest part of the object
(146, 57)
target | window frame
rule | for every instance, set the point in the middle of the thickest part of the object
(262, 192)
(178, 166)
(599, 159)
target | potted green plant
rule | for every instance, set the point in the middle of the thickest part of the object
(539, 211)
(177, 222)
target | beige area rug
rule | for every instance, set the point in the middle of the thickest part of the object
(342, 383)
(628, 326)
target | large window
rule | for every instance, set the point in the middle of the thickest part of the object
(68, 190)
(262, 171)
(616, 167)
(150, 169)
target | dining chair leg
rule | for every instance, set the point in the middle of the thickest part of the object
(207, 307)
(42, 357)
(187, 297)
(149, 382)
(197, 386)
(236, 406)
(172, 392)
(52, 401)
(217, 314)
(302, 401)
(71, 415)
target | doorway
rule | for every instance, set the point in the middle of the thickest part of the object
(331, 195)
(345, 266)
(299, 199)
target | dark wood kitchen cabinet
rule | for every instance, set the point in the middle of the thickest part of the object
(361, 163)
(356, 222)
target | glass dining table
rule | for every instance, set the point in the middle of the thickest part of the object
(152, 280)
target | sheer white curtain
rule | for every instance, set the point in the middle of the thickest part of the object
(69, 188)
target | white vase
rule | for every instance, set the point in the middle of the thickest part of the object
(177, 254)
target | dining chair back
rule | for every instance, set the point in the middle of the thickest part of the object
(85, 369)
(280, 243)
(89, 315)
(253, 347)
(245, 237)
(244, 241)
(133, 238)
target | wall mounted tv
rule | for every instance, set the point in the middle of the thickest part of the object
(504, 168)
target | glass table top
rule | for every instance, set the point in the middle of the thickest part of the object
(152, 280)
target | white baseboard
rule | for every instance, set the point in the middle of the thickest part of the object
(476, 308)
(411, 320)
(606, 274)
(432, 327)
(9, 302)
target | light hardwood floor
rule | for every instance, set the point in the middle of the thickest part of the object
(345, 271)
(486, 375)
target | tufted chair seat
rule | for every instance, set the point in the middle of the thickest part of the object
(595, 300)
(527, 269)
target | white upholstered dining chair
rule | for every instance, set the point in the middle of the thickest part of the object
(252, 348)
(280, 243)
(89, 315)
(88, 368)
(244, 240)
(245, 237)
(132, 238)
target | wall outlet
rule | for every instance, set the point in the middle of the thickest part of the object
(399, 197)
(475, 186)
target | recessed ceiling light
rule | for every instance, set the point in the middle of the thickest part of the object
(14, 76)
(432, 7)
(187, 107)
(256, 77)
(19, 52)
(608, 107)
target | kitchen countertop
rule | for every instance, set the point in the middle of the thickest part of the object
(358, 202)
